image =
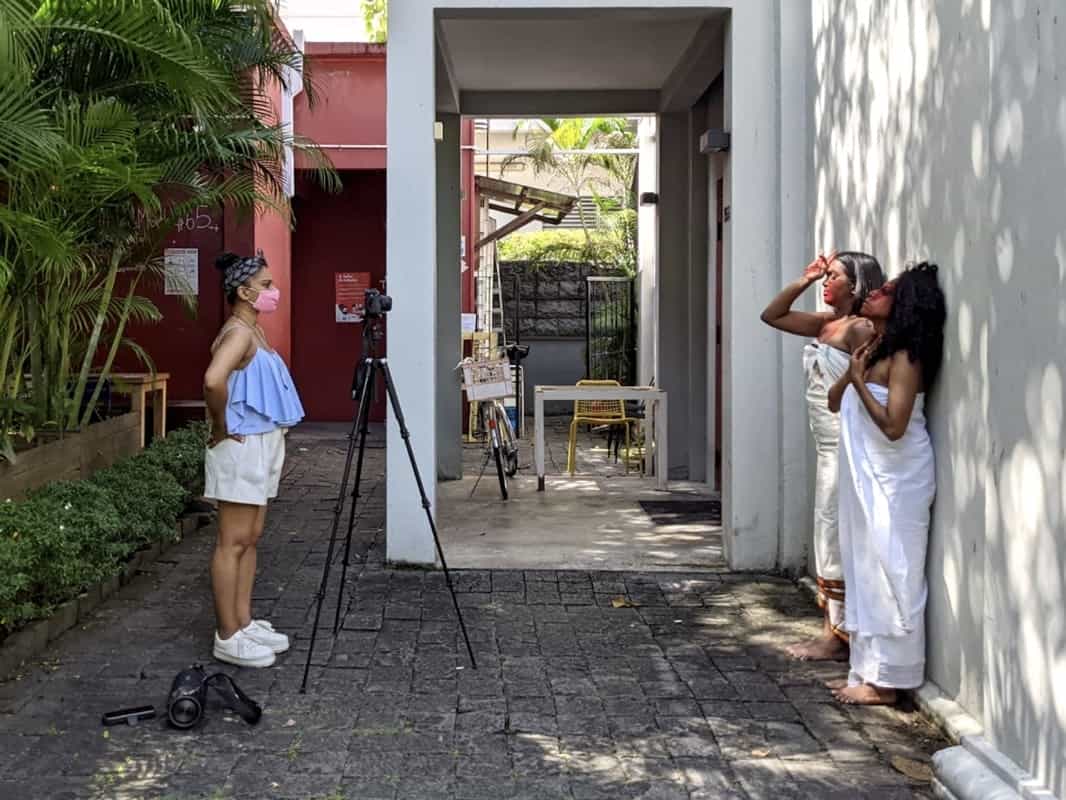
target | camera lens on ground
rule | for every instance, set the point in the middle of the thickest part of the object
(184, 712)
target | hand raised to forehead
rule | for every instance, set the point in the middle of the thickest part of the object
(816, 269)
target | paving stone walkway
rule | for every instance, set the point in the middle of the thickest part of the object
(682, 693)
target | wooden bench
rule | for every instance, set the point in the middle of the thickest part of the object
(145, 388)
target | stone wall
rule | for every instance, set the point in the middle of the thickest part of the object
(552, 298)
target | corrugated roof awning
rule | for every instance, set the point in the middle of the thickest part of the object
(527, 203)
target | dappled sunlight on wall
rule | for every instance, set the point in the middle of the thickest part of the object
(940, 132)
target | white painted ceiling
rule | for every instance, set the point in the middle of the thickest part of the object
(604, 50)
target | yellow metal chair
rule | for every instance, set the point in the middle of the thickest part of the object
(597, 412)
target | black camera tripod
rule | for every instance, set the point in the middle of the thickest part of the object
(363, 387)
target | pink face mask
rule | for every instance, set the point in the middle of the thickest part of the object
(268, 300)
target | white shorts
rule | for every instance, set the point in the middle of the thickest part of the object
(245, 472)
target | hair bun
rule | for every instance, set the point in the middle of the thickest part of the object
(226, 260)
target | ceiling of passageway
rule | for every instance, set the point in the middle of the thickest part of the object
(598, 50)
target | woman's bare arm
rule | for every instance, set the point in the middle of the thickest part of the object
(779, 314)
(231, 351)
(836, 392)
(904, 381)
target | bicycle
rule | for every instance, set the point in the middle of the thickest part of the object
(501, 441)
(486, 384)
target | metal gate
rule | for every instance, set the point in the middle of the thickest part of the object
(611, 330)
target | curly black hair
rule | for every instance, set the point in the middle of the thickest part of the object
(916, 322)
(864, 273)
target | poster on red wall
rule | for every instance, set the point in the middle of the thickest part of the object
(350, 290)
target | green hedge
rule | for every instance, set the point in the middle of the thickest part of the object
(559, 246)
(612, 244)
(70, 535)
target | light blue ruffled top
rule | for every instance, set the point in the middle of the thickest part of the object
(262, 396)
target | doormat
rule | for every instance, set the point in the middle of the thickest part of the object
(682, 512)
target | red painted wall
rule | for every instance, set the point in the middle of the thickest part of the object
(180, 343)
(349, 80)
(334, 233)
(274, 238)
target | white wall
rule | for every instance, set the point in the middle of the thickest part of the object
(699, 265)
(647, 251)
(756, 503)
(751, 397)
(449, 301)
(941, 133)
(410, 269)
(672, 268)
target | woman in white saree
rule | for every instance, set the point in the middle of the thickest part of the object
(846, 280)
(887, 485)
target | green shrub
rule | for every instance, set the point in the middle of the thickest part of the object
(611, 246)
(147, 497)
(181, 453)
(16, 607)
(70, 535)
(64, 537)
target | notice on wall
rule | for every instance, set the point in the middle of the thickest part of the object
(350, 293)
(181, 266)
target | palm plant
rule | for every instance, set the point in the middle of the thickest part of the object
(376, 19)
(116, 119)
(567, 148)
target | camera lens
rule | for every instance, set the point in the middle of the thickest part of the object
(184, 712)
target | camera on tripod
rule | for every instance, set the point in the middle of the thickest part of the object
(376, 304)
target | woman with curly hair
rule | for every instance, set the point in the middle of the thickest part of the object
(887, 485)
(846, 279)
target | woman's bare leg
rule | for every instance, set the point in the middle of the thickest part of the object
(236, 526)
(246, 574)
(866, 694)
(827, 647)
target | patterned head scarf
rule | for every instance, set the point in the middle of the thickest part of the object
(236, 270)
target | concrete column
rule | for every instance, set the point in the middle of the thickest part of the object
(647, 254)
(752, 371)
(716, 168)
(449, 301)
(698, 266)
(411, 252)
(673, 300)
(797, 225)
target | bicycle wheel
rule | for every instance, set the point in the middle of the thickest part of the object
(508, 440)
(497, 454)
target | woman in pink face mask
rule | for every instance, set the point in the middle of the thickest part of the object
(251, 402)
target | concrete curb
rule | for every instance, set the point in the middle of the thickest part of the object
(32, 640)
(973, 769)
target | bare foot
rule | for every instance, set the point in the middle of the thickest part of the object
(866, 695)
(824, 648)
(836, 683)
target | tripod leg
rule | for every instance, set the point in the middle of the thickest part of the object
(365, 400)
(337, 510)
(394, 401)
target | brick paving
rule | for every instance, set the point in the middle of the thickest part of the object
(682, 694)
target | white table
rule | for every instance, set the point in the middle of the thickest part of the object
(655, 420)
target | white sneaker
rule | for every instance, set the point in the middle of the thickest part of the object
(242, 650)
(262, 632)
